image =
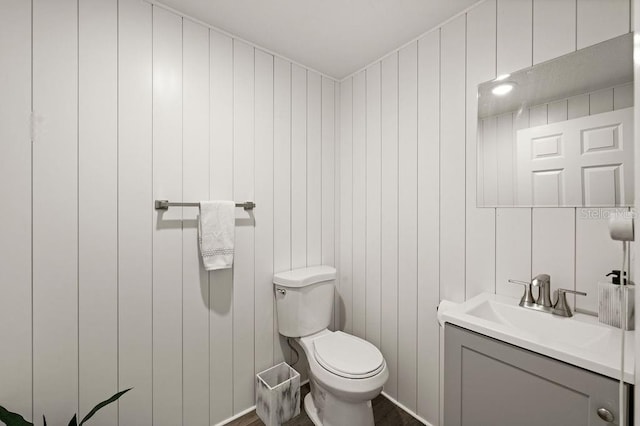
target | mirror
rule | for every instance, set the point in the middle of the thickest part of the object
(559, 134)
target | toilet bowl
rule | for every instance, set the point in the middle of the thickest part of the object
(345, 371)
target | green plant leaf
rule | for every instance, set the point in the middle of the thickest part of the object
(74, 421)
(104, 403)
(12, 419)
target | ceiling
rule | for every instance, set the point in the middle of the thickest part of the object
(336, 37)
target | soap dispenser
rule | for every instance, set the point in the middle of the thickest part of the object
(610, 301)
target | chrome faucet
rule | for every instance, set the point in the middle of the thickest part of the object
(543, 282)
(543, 301)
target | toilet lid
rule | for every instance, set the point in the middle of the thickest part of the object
(348, 356)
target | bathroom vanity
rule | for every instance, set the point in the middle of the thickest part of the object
(506, 365)
(489, 382)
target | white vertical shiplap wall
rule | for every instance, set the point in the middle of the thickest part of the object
(314, 169)
(358, 200)
(243, 289)
(298, 166)
(168, 283)
(388, 217)
(373, 201)
(264, 189)
(408, 223)
(195, 186)
(554, 28)
(344, 305)
(135, 219)
(428, 219)
(16, 314)
(150, 105)
(452, 159)
(461, 250)
(281, 181)
(221, 187)
(480, 223)
(55, 205)
(329, 182)
(98, 203)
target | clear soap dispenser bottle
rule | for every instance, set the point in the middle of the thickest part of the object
(610, 299)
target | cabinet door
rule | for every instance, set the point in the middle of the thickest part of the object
(492, 383)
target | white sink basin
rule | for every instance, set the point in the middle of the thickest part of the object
(580, 340)
(539, 324)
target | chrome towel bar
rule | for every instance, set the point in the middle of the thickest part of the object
(165, 204)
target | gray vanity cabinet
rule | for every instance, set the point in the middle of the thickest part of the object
(491, 383)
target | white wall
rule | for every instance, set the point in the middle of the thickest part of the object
(413, 234)
(99, 291)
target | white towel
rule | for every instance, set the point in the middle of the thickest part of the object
(216, 231)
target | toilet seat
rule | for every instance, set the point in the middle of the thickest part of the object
(348, 356)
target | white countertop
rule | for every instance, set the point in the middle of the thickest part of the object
(580, 340)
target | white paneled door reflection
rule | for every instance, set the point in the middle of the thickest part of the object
(579, 162)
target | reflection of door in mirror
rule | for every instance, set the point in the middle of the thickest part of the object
(579, 162)
(498, 150)
(559, 137)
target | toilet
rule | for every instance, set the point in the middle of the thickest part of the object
(345, 372)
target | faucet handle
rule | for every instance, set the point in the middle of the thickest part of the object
(527, 297)
(561, 307)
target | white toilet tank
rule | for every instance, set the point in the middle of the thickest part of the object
(304, 300)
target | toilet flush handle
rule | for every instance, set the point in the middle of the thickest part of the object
(282, 291)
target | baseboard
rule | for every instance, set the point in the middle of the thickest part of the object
(237, 416)
(247, 411)
(411, 413)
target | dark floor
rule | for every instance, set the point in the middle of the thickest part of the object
(385, 413)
